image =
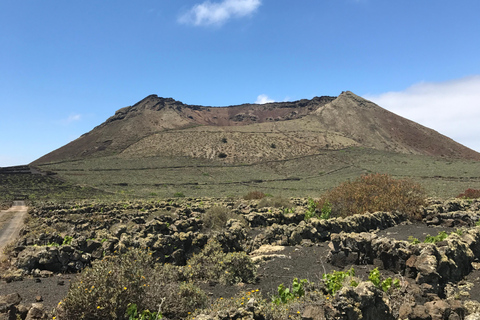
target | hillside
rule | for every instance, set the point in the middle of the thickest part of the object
(161, 147)
(251, 133)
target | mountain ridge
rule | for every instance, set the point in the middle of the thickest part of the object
(246, 133)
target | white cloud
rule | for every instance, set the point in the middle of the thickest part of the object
(263, 98)
(451, 108)
(71, 118)
(217, 13)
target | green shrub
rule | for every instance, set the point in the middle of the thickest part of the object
(442, 235)
(470, 194)
(67, 240)
(384, 284)
(214, 264)
(325, 211)
(254, 195)
(413, 240)
(286, 295)
(216, 217)
(375, 192)
(111, 286)
(105, 290)
(334, 281)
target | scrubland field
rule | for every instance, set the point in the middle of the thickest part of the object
(372, 246)
(307, 176)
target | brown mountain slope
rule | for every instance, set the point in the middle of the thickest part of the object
(252, 133)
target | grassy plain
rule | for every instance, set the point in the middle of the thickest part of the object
(300, 177)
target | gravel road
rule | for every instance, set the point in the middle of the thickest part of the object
(11, 221)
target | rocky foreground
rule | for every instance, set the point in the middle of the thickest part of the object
(435, 277)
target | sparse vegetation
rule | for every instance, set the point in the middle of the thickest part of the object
(375, 192)
(216, 217)
(442, 235)
(286, 295)
(215, 265)
(335, 280)
(470, 194)
(384, 284)
(275, 202)
(179, 195)
(254, 195)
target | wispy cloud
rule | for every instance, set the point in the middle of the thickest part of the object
(451, 108)
(70, 119)
(263, 98)
(217, 13)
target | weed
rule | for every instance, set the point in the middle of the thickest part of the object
(326, 210)
(413, 240)
(67, 240)
(385, 284)
(311, 209)
(334, 281)
(442, 235)
(285, 294)
(179, 195)
(133, 314)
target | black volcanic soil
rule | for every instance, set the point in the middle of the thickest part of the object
(303, 262)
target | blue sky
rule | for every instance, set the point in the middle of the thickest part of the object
(66, 66)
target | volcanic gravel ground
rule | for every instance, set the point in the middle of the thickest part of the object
(303, 262)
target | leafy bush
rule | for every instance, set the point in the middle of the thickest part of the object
(214, 264)
(254, 195)
(442, 235)
(216, 217)
(384, 284)
(375, 192)
(285, 295)
(312, 211)
(470, 194)
(334, 281)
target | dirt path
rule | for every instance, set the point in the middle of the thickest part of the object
(11, 221)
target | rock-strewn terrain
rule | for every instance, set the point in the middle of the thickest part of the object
(436, 277)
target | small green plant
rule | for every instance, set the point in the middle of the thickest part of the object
(385, 284)
(326, 210)
(334, 281)
(285, 294)
(413, 240)
(442, 235)
(179, 195)
(67, 240)
(458, 232)
(311, 208)
(133, 314)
